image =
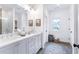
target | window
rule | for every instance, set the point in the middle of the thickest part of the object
(56, 24)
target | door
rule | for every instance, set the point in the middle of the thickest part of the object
(74, 27)
(78, 31)
(0, 21)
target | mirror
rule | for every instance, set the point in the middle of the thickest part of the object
(6, 20)
(20, 20)
(12, 17)
(0, 21)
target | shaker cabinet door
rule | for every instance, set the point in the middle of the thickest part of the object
(31, 44)
(9, 49)
(23, 47)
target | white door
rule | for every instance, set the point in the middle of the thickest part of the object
(74, 26)
(78, 31)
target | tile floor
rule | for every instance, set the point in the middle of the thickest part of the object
(56, 48)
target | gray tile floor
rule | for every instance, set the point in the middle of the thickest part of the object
(56, 48)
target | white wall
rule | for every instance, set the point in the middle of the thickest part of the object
(33, 15)
(63, 34)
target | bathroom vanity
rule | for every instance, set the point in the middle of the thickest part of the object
(29, 44)
(13, 18)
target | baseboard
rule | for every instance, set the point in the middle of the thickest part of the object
(61, 42)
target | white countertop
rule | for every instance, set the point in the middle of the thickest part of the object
(7, 41)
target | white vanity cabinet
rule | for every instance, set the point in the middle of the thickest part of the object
(39, 42)
(31, 45)
(20, 47)
(34, 44)
(23, 46)
(9, 49)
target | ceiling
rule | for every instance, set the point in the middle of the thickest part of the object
(55, 7)
(9, 7)
(34, 6)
